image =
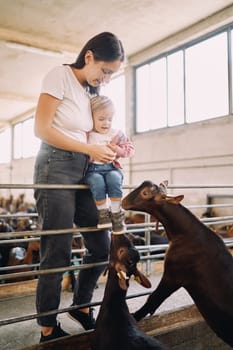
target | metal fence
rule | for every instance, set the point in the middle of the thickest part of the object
(149, 253)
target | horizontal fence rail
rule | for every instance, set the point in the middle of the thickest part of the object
(128, 187)
(59, 311)
(51, 271)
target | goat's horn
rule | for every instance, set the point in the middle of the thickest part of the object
(163, 187)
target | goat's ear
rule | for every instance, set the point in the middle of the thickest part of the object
(122, 284)
(175, 199)
(142, 279)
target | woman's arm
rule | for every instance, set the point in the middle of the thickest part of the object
(44, 130)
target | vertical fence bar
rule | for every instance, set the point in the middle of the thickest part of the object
(147, 239)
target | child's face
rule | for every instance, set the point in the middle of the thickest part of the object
(102, 119)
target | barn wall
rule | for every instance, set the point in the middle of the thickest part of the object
(201, 153)
(198, 153)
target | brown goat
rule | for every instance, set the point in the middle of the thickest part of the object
(116, 328)
(197, 259)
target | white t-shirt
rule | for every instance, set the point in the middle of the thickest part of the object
(73, 116)
(101, 139)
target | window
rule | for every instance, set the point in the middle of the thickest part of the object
(116, 91)
(25, 143)
(188, 85)
(142, 98)
(151, 96)
(207, 79)
(175, 88)
(5, 146)
(17, 141)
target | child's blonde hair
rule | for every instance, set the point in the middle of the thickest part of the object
(99, 102)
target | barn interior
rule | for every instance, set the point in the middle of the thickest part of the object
(36, 36)
(193, 154)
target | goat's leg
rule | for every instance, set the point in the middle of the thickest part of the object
(162, 292)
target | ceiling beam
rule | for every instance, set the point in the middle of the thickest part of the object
(16, 97)
(36, 41)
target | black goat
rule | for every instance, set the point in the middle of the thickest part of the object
(116, 328)
(197, 259)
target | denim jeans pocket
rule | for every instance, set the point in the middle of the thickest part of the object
(60, 155)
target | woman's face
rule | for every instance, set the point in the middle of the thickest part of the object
(99, 72)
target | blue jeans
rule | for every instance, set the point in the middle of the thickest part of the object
(104, 179)
(59, 209)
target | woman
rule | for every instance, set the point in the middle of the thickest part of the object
(63, 119)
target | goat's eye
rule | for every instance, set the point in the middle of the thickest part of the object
(145, 193)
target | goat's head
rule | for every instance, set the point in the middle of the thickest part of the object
(146, 196)
(124, 258)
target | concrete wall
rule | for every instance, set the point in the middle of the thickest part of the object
(201, 153)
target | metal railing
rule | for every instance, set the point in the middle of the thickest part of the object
(148, 252)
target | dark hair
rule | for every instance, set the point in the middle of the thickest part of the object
(105, 47)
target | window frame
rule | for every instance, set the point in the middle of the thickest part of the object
(229, 33)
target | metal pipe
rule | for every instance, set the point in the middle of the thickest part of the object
(16, 216)
(207, 221)
(51, 271)
(26, 266)
(59, 311)
(57, 186)
(47, 232)
(43, 186)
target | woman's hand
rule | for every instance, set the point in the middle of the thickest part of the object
(112, 147)
(102, 154)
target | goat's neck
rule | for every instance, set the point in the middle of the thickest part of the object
(177, 220)
(113, 295)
